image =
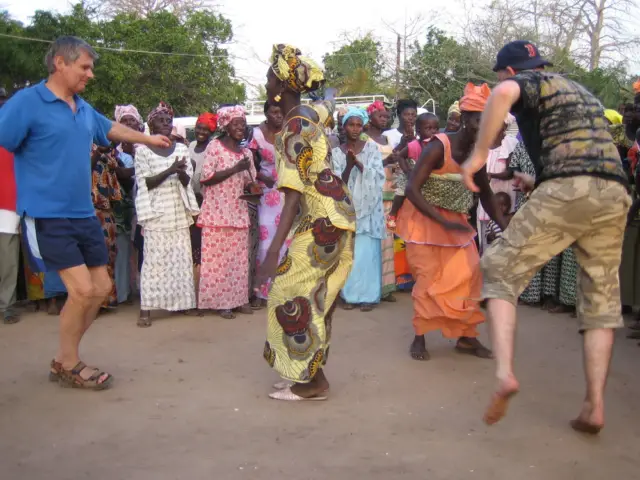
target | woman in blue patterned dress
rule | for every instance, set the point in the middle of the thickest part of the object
(359, 164)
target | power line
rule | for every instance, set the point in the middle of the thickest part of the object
(119, 50)
(149, 52)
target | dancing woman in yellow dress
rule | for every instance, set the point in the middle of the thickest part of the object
(318, 219)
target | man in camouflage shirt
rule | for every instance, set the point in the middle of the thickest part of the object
(579, 199)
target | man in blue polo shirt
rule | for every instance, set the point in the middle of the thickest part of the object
(50, 129)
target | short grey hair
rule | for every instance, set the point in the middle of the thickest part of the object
(70, 49)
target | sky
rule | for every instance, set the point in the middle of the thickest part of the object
(315, 28)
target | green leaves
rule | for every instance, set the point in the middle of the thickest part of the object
(356, 68)
(191, 84)
(440, 68)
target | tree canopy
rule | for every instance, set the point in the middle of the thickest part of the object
(192, 72)
(357, 67)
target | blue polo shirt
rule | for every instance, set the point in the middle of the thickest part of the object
(52, 147)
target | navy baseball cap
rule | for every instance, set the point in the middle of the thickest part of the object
(520, 55)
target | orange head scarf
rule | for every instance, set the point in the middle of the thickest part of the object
(475, 97)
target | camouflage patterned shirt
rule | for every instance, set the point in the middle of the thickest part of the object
(564, 128)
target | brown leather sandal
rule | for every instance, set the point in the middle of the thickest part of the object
(55, 371)
(72, 379)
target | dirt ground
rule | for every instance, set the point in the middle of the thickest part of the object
(190, 402)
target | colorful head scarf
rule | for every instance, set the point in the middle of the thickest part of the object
(301, 73)
(226, 114)
(208, 119)
(475, 97)
(614, 117)
(377, 106)
(127, 111)
(159, 110)
(454, 108)
(355, 112)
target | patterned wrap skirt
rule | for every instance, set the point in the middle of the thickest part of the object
(110, 232)
(167, 271)
(301, 302)
(224, 272)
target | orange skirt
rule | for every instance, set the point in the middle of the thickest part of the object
(447, 291)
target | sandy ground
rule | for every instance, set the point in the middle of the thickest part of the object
(191, 402)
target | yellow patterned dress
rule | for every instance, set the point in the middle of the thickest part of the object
(318, 260)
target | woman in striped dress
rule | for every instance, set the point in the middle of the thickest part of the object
(165, 204)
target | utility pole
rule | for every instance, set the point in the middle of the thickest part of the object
(398, 53)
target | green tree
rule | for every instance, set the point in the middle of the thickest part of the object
(356, 68)
(191, 83)
(440, 68)
(612, 85)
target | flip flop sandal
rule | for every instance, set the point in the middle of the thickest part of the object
(285, 384)
(389, 298)
(72, 379)
(282, 385)
(9, 317)
(193, 312)
(227, 314)
(367, 307)
(584, 427)
(288, 396)
(144, 322)
(348, 306)
(480, 352)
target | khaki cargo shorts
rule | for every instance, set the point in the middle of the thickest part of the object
(584, 212)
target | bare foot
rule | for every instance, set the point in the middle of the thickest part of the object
(590, 420)
(418, 349)
(500, 400)
(315, 387)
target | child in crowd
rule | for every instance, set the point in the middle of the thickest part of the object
(427, 125)
(504, 202)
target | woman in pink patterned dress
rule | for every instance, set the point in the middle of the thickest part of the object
(224, 218)
(272, 201)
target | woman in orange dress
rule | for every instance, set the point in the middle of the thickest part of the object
(441, 250)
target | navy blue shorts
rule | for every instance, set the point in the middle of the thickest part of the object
(54, 244)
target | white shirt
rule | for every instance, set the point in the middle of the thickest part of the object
(394, 137)
(9, 222)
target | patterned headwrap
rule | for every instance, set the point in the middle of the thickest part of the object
(226, 114)
(209, 119)
(454, 108)
(127, 111)
(160, 109)
(355, 112)
(475, 97)
(301, 73)
(377, 106)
